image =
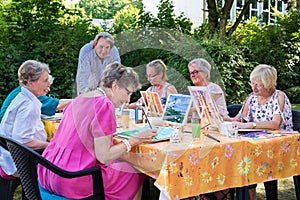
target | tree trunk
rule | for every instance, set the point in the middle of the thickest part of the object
(212, 15)
(239, 19)
(224, 16)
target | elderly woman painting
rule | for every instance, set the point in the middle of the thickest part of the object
(199, 71)
(84, 139)
(266, 108)
(156, 72)
(22, 119)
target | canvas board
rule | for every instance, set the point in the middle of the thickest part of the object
(176, 109)
(205, 106)
(152, 102)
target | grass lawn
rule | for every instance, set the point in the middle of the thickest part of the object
(286, 190)
(296, 106)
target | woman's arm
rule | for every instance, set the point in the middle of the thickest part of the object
(274, 124)
(105, 152)
(63, 103)
(171, 90)
(36, 144)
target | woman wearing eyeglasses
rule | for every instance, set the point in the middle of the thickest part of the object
(265, 108)
(156, 72)
(22, 119)
(84, 139)
(199, 71)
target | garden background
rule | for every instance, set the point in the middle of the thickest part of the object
(53, 32)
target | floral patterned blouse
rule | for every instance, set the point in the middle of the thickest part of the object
(265, 112)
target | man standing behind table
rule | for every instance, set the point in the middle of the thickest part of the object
(93, 58)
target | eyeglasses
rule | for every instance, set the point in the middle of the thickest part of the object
(50, 79)
(195, 72)
(257, 85)
(128, 92)
(152, 76)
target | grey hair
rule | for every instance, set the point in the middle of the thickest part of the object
(202, 65)
(159, 66)
(266, 74)
(108, 37)
(125, 76)
(31, 70)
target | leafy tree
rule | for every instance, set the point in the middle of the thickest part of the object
(219, 12)
(45, 31)
(166, 18)
(126, 19)
(104, 9)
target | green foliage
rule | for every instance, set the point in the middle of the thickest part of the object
(230, 69)
(51, 34)
(166, 18)
(276, 45)
(293, 94)
(105, 9)
(54, 34)
(126, 19)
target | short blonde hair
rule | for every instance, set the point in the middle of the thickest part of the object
(266, 74)
(159, 66)
(202, 65)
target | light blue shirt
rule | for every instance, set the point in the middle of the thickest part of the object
(90, 67)
(21, 122)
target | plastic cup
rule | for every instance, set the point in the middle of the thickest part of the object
(125, 118)
(196, 128)
(226, 128)
(233, 132)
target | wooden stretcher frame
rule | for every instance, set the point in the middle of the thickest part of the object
(206, 106)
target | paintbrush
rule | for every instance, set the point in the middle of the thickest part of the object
(146, 117)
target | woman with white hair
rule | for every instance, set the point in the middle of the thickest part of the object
(199, 71)
(265, 108)
(22, 119)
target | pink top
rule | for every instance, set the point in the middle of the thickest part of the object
(72, 148)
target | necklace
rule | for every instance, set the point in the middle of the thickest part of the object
(102, 91)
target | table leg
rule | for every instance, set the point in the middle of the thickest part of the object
(242, 193)
(271, 190)
(297, 186)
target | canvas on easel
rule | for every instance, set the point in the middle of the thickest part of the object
(176, 109)
(152, 102)
(205, 106)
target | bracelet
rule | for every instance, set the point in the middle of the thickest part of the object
(127, 144)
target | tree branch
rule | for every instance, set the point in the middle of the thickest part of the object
(239, 19)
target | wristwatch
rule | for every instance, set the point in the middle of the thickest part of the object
(253, 125)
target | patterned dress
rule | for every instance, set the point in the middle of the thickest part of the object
(265, 112)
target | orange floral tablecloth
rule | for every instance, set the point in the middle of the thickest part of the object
(192, 168)
(50, 127)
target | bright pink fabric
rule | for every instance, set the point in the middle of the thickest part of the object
(72, 148)
(5, 176)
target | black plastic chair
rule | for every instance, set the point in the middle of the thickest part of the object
(8, 187)
(26, 161)
(234, 109)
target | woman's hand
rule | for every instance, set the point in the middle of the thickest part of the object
(145, 136)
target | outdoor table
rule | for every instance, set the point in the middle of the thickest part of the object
(190, 168)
